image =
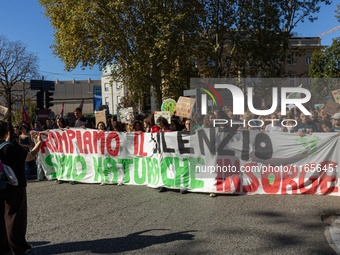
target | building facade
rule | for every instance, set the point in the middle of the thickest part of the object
(112, 92)
(72, 93)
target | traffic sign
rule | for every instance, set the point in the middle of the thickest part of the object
(42, 84)
(43, 115)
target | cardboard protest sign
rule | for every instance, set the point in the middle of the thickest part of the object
(169, 105)
(3, 111)
(184, 107)
(100, 117)
(336, 95)
(331, 107)
(127, 115)
(318, 106)
(164, 114)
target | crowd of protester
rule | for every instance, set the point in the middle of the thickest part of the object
(319, 121)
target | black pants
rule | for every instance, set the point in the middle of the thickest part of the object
(13, 220)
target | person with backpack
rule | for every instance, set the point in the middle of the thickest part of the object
(13, 199)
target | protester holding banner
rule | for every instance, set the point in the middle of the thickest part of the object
(151, 124)
(101, 126)
(208, 121)
(25, 142)
(81, 120)
(163, 124)
(314, 118)
(323, 115)
(61, 123)
(289, 123)
(336, 122)
(326, 126)
(305, 126)
(13, 199)
(117, 126)
(175, 125)
(137, 126)
(198, 118)
(274, 126)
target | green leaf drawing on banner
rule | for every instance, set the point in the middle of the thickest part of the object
(309, 144)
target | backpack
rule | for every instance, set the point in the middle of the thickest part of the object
(3, 178)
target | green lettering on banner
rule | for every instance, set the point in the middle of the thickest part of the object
(166, 162)
(126, 163)
(140, 180)
(98, 169)
(58, 158)
(112, 168)
(156, 171)
(182, 171)
(67, 161)
(75, 175)
(151, 172)
(49, 162)
(195, 184)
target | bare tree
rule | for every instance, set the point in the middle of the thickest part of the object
(17, 66)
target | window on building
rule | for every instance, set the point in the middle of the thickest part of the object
(308, 60)
(97, 89)
(292, 61)
(309, 81)
(106, 85)
(118, 85)
(119, 99)
(106, 100)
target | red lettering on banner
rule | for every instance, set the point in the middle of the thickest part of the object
(71, 135)
(229, 172)
(62, 138)
(79, 141)
(313, 179)
(219, 177)
(325, 178)
(51, 137)
(99, 136)
(287, 179)
(141, 149)
(267, 187)
(43, 144)
(112, 135)
(254, 186)
(87, 142)
(135, 144)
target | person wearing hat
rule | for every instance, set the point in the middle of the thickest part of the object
(336, 122)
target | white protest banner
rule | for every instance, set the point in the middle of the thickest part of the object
(208, 160)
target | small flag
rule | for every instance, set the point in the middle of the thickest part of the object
(24, 115)
(81, 104)
(62, 111)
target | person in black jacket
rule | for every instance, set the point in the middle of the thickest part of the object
(13, 199)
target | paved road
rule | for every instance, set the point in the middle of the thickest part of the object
(89, 218)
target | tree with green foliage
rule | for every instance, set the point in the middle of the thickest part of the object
(144, 39)
(325, 64)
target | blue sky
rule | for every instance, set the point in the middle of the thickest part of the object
(24, 20)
